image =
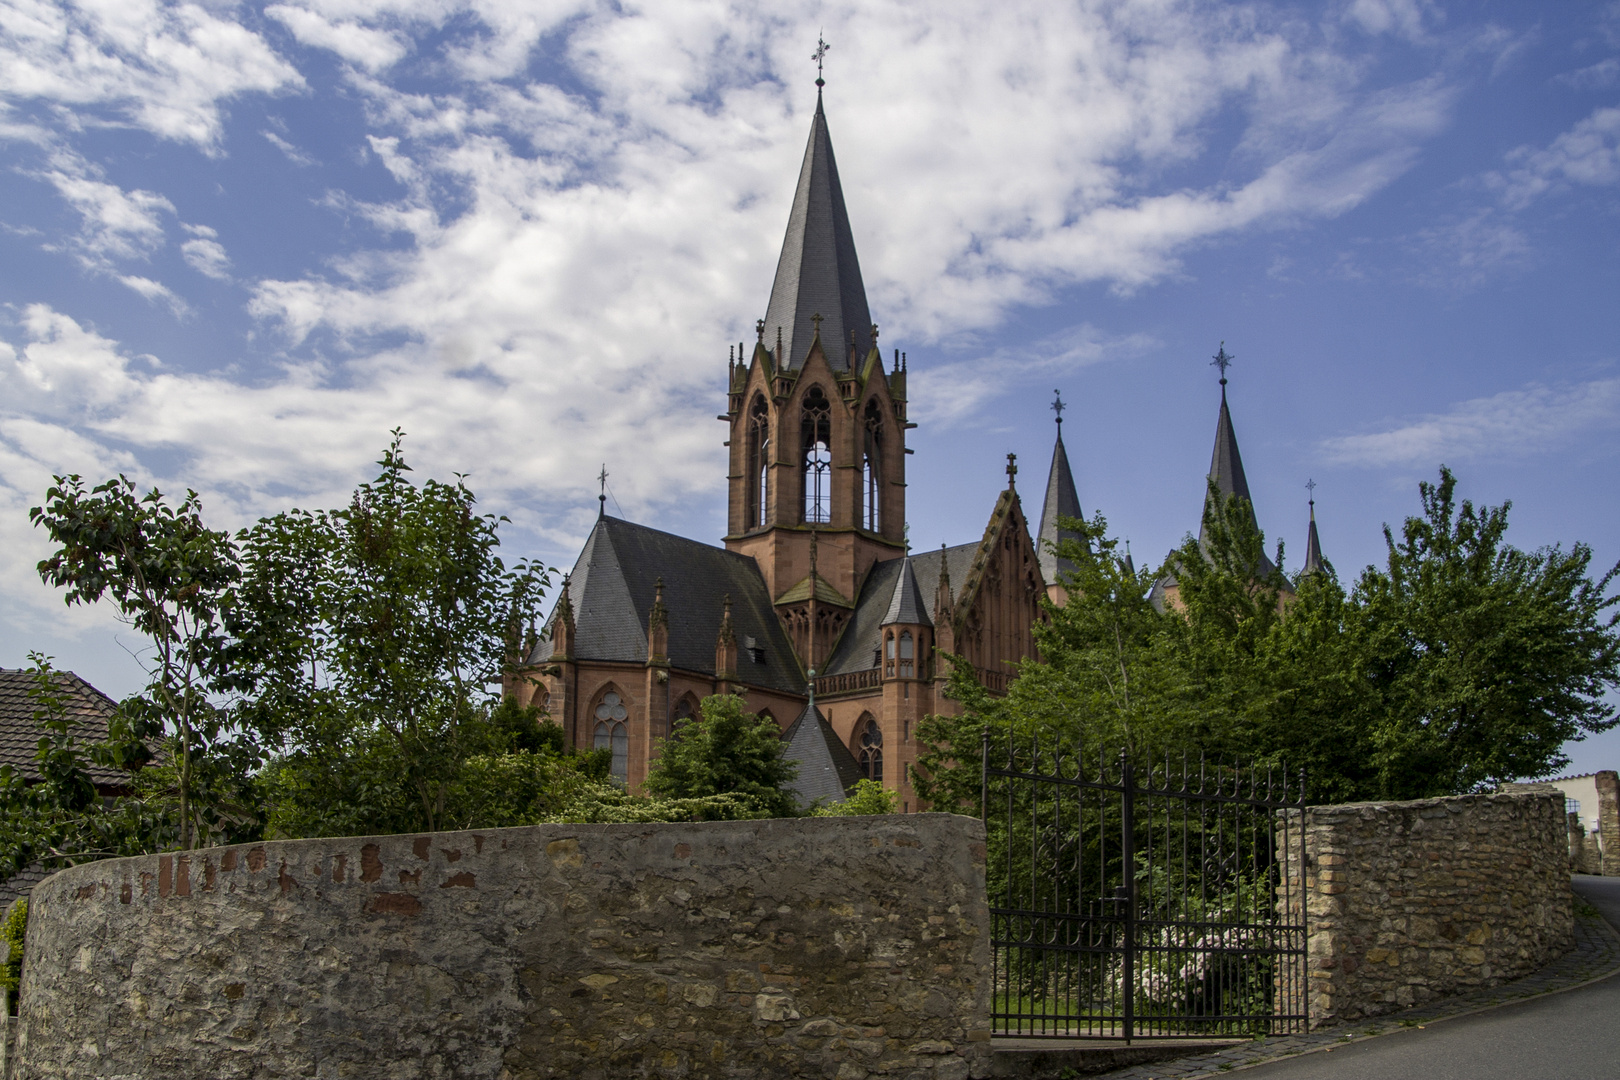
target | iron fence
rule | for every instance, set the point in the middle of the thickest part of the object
(1143, 899)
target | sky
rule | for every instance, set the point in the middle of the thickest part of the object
(241, 243)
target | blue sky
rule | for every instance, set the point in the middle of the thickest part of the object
(240, 243)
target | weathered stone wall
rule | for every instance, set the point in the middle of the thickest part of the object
(1411, 901)
(836, 947)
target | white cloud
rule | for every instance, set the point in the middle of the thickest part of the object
(165, 67)
(1400, 18)
(294, 154)
(1506, 425)
(1593, 77)
(1588, 153)
(207, 257)
(370, 48)
(116, 224)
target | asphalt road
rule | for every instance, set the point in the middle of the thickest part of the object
(1569, 1036)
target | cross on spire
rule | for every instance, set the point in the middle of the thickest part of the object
(1058, 407)
(1012, 469)
(816, 318)
(601, 478)
(1310, 486)
(1222, 360)
(818, 56)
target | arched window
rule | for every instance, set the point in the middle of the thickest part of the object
(544, 701)
(686, 711)
(869, 747)
(908, 656)
(612, 735)
(888, 656)
(817, 428)
(759, 464)
(872, 469)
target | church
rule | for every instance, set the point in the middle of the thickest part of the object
(813, 610)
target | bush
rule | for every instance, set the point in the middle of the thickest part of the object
(869, 797)
(12, 931)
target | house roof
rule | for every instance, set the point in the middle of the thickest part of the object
(818, 272)
(21, 884)
(611, 591)
(827, 770)
(20, 732)
(863, 634)
(1062, 501)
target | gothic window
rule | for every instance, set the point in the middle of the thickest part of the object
(686, 711)
(872, 469)
(612, 735)
(908, 665)
(888, 656)
(759, 464)
(817, 427)
(869, 747)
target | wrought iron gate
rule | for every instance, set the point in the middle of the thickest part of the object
(1151, 899)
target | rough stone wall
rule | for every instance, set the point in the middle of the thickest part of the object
(811, 947)
(1412, 901)
(1608, 786)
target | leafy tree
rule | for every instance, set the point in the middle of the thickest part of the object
(1483, 660)
(174, 580)
(869, 797)
(371, 636)
(727, 750)
(12, 932)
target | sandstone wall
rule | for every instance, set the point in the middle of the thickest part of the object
(814, 947)
(1412, 901)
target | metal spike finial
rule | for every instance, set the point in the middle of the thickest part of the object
(1222, 360)
(819, 56)
(779, 344)
(1058, 406)
(601, 478)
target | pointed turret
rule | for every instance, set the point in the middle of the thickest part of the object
(906, 605)
(1130, 564)
(1062, 501)
(1313, 545)
(1225, 463)
(818, 272)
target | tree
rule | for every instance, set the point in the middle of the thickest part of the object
(370, 637)
(727, 750)
(1483, 660)
(174, 580)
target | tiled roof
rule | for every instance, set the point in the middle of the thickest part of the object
(611, 590)
(827, 770)
(906, 603)
(20, 732)
(818, 272)
(21, 884)
(863, 634)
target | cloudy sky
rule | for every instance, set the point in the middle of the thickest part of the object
(239, 243)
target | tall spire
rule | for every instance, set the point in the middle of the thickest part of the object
(1313, 545)
(1062, 500)
(818, 272)
(1225, 463)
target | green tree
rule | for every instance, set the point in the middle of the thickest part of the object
(371, 638)
(727, 750)
(174, 580)
(1483, 660)
(869, 797)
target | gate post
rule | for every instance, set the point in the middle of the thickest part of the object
(1127, 847)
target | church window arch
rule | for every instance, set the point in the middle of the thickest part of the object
(869, 747)
(686, 711)
(888, 655)
(612, 734)
(759, 463)
(908, 656)
(872, 468)
(816, 425)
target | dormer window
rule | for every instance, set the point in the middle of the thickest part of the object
(756, 651)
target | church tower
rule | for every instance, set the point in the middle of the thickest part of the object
(817, 481)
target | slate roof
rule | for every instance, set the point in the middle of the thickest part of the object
(21, 884)
(611, 590)
(818, 272)
(20, 733)
(1226, 469)
(827, 770)
(1062, 500)
(863, 634)
(906, 603)
(1313, 546)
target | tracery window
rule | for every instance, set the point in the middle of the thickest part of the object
(869, 747)
(611, 734)
(759, 464)
(872, 469)
(888, 656)
(908, 656)
(817, 427)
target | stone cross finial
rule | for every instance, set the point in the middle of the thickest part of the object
(1012, 469)
(759, 328)
(816, 318)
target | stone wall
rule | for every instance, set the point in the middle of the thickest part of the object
(1412, 901)
(838, 947)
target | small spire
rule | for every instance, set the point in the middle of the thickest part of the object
(1012, 470)
(778, 344)
(816, 318)
(1313, 543)
(1058, 407)
(818, 56)
(1130, 564)
(759, 328)
(601, 511)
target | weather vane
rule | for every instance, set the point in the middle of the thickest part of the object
(602, 498)
(1058, 406)
(1223, 360)
(818, 56)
